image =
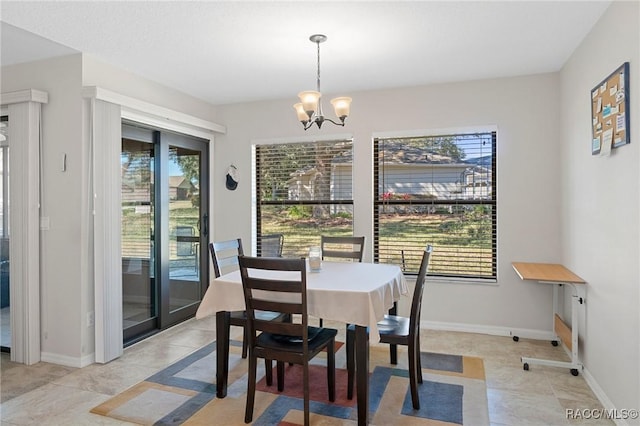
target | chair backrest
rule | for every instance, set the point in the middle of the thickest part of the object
(342, 248)
(225, 255)
(271, 245)
(271, 277)
(416, 302)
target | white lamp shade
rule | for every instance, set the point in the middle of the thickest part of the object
(341, 106)
(302, 114)
(309, 101)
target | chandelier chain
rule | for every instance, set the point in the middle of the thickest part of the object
(318, 81)
(319, 112)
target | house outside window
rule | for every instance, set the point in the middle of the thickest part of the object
(438, 190)
(303, 191)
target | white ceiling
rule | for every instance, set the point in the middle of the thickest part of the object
(238, 51)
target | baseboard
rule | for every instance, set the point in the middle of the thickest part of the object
(488, 329)
(528, 334)
(88, 360)
(602, 397)
(68, 361)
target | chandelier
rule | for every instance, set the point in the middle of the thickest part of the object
(309, 108)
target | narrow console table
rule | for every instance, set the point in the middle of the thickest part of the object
(558, 275)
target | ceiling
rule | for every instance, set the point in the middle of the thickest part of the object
(239, 51)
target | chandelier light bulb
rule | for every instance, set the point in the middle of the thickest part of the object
(302, 114)
(341, 106)
(310, 100)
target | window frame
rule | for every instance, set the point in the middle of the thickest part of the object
(379, 201)
(258, 203)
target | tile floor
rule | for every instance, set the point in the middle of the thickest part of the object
(47, 394)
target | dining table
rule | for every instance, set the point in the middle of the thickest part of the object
(350, 292)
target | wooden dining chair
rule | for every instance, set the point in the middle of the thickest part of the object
(271, 245)
(397, 330)
(224, 255)
(341, 248)
(286, 342)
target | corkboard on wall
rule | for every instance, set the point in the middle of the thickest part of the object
(610, 112)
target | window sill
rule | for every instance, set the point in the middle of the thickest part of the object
(473, 281)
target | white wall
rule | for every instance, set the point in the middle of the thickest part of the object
(106, 76)
(525, 111)
(600, 207)
(63, 244)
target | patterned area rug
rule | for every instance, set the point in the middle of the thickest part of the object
(453, 393)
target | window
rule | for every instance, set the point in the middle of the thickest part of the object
(303, 190)
(438, 190)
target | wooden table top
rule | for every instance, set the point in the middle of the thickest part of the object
(551, 272)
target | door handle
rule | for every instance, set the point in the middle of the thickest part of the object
(205, 224)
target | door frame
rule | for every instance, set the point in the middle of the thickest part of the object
(108, 294)
(161, 142)
(167, 317)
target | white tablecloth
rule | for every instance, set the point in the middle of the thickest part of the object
(354, 293)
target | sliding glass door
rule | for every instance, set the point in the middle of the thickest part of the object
(139, 292)
(164, 228)
(187, 225)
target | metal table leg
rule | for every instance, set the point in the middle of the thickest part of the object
(574, 365)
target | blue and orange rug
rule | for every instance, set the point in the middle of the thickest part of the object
(453, 393)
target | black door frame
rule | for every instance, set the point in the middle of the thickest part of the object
(161, 140)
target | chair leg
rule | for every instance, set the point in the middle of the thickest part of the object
(419, 359)
(393, 354)
(413, 377)
(305, 383)
(245, 339)
(393, 349)
(251, 389)
(331, 369)
(268, 368)
(280, 373)
(351, 362)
